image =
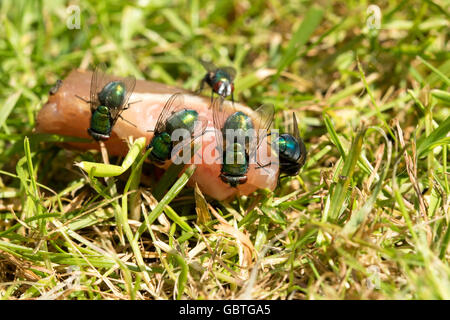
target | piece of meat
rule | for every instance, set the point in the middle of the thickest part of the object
(65, 114)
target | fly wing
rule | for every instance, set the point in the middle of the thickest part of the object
(301, 144)
(199, 130)
(175, 102)
(201, 126)
(219, 118)
(296, 133)
(230, 71)
(303, 151)
(97, 85)
(262, 123)
(130, 83)
(209, 66)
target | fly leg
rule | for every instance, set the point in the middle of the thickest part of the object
(212, 96)
(202, 85)
(130, 103)
(120, 116)
(83, 99)
(264, 166)
(126, 108)
(260, 166)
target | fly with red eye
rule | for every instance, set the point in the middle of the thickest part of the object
(221, 80)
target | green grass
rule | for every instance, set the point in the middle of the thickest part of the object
(366, 218)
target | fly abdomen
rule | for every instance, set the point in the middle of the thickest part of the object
(235, 160)
(235, 169)
(100, 123)
(162, 147)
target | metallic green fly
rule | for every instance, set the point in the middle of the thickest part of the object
(219, 79)
(108, 99)
(238, 137)
(174, 116)
(291, 151)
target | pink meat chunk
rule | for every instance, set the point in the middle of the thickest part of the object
(67, 115)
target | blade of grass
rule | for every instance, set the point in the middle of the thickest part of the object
(340, 189)
(358, 218)
(436, 137)
(167, 180)
(203, 216)
(182, 278)
(444, 96)
(172, 193)
(8, 106)
(310, 22)
(333, 135)
(436, 71)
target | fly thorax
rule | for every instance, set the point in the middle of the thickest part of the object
(209, 77)
(289, 148)
(221, 75)
(113, 94)
(238, 128)
(183, 119)
(238, 120)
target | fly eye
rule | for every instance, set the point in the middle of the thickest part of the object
(221, 88)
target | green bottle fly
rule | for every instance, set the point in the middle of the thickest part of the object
(173, 116)
(221, 80)
(291, 151)
(236, 153)
(108, 99)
